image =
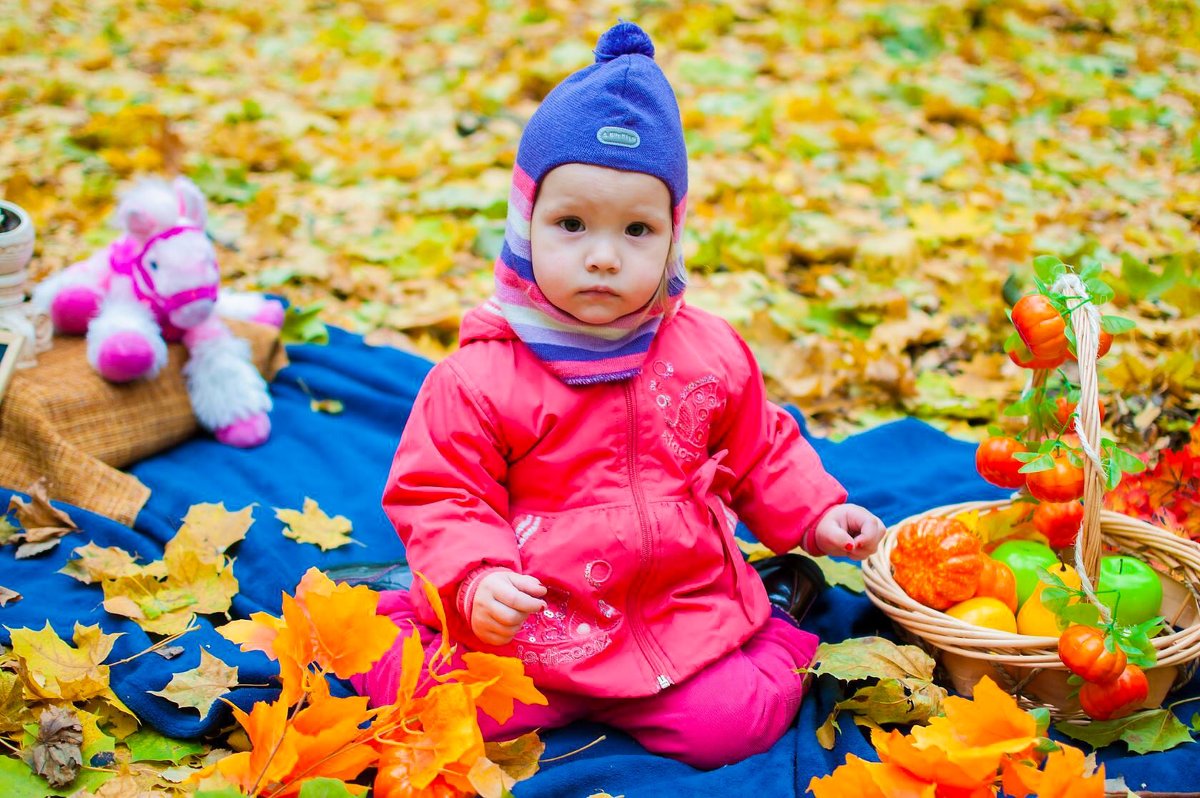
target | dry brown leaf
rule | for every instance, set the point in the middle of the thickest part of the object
(42, 524)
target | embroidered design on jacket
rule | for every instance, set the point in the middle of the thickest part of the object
(690, 413)
(525, 527)
(564, 632)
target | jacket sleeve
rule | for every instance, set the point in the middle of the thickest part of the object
(446, 493)
(779, 487)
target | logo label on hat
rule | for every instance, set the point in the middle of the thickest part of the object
(618, 137)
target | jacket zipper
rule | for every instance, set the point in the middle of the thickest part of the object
(639, 634)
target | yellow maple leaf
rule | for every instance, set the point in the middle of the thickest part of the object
(314, 526)
(200, 687)
(941, 225)
(210, 529)
(95, 564)
(194, 583)
(152, 604)
(210, 581)
(52, 668)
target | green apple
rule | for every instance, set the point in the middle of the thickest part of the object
(1025, 557)
(1129, 588)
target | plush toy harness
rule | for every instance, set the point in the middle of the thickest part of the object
(126, 258)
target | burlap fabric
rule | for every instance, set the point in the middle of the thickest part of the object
(61, 420)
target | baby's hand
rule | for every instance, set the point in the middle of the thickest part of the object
(503, 600)
(849, 530)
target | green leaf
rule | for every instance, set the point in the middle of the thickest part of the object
(1017, 408)
(19, 781)
(1125, 461)
(1143, 732)
(304, 326)
(1039, 462)
(1056, 599)
(1081, 613)
(224, 792)
(147, 745)
(1048, 267)
(1116, 325)
(325, 788)
(1196, 722)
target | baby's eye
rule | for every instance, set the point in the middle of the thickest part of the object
(571, 225)
(637, 229)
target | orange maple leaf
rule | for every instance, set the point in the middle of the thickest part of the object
(938, 760)
(256, 634)
(333, 625)
(394, 777)
(348, 637)
(495, 682)
(864, 779)
(323, 739)
(1065, 775)
(435, 602)
(451, 732)
(992, 716)
(272, 755)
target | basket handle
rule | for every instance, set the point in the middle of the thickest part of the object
(1085, 321)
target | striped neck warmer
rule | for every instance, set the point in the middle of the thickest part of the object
(619, 113)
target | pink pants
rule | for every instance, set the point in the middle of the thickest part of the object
(738, 706)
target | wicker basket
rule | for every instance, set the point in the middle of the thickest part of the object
(1029, 667)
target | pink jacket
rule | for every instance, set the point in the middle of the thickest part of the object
(621, 498)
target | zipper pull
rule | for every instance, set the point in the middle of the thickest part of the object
(663, 681)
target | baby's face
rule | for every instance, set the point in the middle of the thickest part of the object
(600, 239)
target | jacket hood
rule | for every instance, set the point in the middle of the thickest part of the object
(485, 323)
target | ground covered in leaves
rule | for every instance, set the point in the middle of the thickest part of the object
(865, 175)
(870, 182)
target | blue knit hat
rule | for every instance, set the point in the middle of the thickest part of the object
(618, 113)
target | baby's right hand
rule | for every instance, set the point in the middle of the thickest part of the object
(502, 602)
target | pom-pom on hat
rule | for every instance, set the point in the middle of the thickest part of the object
(618, 113)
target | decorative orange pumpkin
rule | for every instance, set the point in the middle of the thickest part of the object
(1115, 699)
(1021, 355)
(1041, 326)
(997, 580)
(937, 561)
(1085, 652)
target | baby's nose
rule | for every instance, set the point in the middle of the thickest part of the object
(603, 258)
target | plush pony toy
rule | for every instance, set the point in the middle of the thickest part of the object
(158, 283)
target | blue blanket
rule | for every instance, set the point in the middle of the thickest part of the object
(341, 461)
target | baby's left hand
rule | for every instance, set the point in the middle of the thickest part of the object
(847, 530)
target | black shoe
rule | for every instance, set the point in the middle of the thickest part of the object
(792, 582)
(377, 576)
